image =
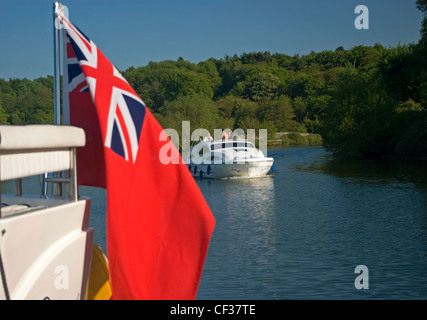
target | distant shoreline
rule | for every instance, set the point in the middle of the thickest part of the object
(294, 139)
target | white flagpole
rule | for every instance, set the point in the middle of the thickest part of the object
(57, 72)
(57, 187)
(65, 93)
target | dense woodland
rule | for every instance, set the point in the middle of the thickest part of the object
(368, 100)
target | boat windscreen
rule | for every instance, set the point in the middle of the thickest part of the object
(232, 144)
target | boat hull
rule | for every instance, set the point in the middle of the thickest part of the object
(246, 169)
(46, 254)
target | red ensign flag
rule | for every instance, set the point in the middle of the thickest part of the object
(158, 222)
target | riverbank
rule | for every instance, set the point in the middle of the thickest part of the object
(292, 139)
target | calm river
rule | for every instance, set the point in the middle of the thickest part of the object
(301, 232)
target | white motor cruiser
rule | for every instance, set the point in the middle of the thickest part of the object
(227, 159)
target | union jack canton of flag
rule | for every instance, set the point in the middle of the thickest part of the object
(107, 86)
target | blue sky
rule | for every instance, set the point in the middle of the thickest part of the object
(134, 32)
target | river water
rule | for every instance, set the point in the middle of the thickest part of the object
(301, 232)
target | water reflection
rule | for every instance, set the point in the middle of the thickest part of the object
(375, 214)
(244, 241)
(370, 170)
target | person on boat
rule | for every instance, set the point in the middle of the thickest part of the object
(225, 135)
(208, 138)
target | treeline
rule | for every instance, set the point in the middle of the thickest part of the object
(255, 90)
(25, 101)
(368, 100)
(380, 108)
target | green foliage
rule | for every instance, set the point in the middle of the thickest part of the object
(3, 115)
(200, 109)
(355, 98)
(358, 116)
(422, 6)
(263, 86)
(25, 101)
(399, 68)
(280, 112)
(169, 80)
(298, 139)
(378, 106)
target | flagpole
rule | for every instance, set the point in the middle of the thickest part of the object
(57, 187)
(56, 67)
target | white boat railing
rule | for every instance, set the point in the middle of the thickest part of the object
(40, 149)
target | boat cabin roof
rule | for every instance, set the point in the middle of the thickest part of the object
(37, 149)
(224, 144)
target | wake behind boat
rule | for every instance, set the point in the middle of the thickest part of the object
(221, 159)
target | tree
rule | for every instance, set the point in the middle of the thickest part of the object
(263, 86)
(400, 69)
(282, 115)
(422, 6)
(366, 58)
(3, 115)
(167, 81)
(422, 52)
(256, 57)
(300, 109)
(209, 70)
(231, 71)
(358, 121)
(198, 109)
